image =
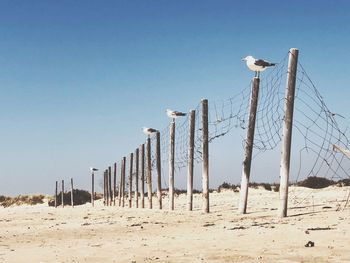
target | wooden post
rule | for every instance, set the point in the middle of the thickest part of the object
(287, 130)
(205, 146)
(105, 187)
(92, 188)
(120, 184)
(249, 147)
(56, 194)
(107, 194)
(142, 193)
(123, 182)
(172, 165)
(62, 194)
(137, 178)
(159, 171)
(114, 182)
(149, 173)
(130, 179)
(71, 193)
(110, 184)
(192, 122)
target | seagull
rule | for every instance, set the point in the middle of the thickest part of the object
(174, 114)
(92, 169)
(148, 131)
(257, 65)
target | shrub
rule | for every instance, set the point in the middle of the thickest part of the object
(315, 182)
(226, 185)
(344, 182)
(21, 199)
(80, 197)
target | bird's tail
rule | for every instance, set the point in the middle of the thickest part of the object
(272, 64)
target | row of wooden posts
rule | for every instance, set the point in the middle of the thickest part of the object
(143, 173)
(110, 191)
(62, 193)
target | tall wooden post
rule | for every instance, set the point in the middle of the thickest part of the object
(123, 183)
(104, 187)
(149, 173)
(130, 179)
(120, 184)
(190, 160)
(205, 146)
(137, 178)
(71, 193)
(92, 188)
(56, 194)
(114, 182)
(62, 194)
(287, 130)
(110, 184)
(142, 168)
(172, 165)
(107, 188)
(249, 147)
(159, 171)
(105, 192)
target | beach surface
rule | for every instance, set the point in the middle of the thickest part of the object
(121, 234)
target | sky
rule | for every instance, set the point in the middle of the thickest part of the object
(78, 79)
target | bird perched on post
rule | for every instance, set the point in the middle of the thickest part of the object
(148, 131)
(174, 114)
(92, 169)
(257, 65)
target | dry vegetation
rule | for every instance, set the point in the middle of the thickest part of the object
(7, 201)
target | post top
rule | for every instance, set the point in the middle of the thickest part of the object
(293, 49)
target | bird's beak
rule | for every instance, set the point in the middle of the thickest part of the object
(244, 59)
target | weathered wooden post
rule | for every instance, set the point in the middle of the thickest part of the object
(172, 165)
(205, 146)
(114, 182)
(137, 178)
(142, 193)
(110, 184)
(56, 194)
(71, 193)
(249, 147)
(130, 179)
(120, 184)
(190, 160)
(123, 183)
(104, 187)
(107, 187)
(92, 188)
(105, 191)
(62, 194)
(159, 171)
(287, 130)
(149, 173)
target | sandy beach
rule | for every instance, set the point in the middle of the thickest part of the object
(114, 234)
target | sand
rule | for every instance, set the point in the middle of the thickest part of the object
(114, 234)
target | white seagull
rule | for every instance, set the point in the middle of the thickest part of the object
(92, 169)
(257, 65)
(148, 131)
(174, 114)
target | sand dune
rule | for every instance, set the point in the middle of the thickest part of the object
(113, 234)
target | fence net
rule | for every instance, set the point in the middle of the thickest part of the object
(315, 128)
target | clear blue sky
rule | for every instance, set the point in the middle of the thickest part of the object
(78, 79)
